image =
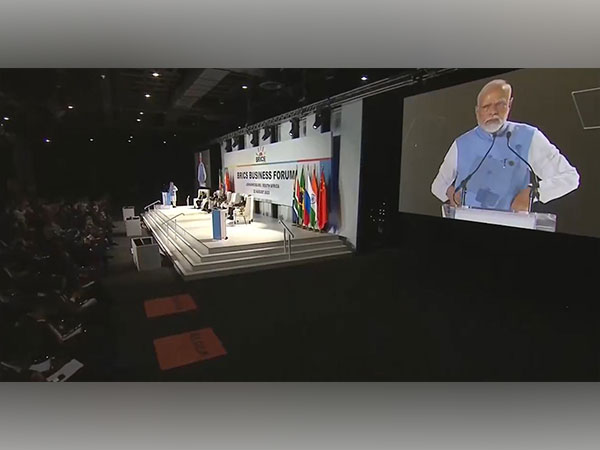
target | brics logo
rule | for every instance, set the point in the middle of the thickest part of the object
(261, 156)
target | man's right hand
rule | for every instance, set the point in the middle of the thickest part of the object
(453, 197)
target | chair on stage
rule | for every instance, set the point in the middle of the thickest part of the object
(245, 211)
(203, 195)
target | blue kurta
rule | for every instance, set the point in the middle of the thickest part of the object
(502, 175)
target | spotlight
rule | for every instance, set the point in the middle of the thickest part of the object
(103, 76)
(130, 137)
(70, 107)
(164, 142)
(295, 130)
(239, 141)
(364, 78)
(91, 139)
(174, 135)
(129, 140)
(323, 120)
(47, 141)
(141, 113)
(138, 119)
(156, 74)
(255, 136)
(244, 86)
(317, 123)
(6, 118)
(267, 133)
(147, 96)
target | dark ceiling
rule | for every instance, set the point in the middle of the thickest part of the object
(203, 103)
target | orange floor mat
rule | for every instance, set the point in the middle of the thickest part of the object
(187, 348)
(169, 305)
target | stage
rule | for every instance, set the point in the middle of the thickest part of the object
(185, 235)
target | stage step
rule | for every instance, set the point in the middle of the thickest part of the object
(241, 258)
(191, 263)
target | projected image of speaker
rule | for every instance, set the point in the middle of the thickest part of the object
(521, 142)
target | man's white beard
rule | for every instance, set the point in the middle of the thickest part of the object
(493, 126)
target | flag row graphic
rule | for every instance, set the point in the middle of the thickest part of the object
(225, 186)
(309, 204)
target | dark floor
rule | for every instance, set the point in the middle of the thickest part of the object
(390, 315)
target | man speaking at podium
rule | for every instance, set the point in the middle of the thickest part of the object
(491, 165)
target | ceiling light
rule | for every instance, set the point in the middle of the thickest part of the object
(103, 76)
(70, 106)
(364, 78)
(47, 141)
(317, 123)
(6, 118)
(164, 142)
(295, 128)
(130, 137)
(323, 119)
(147, 95)
(174, 135)
(156, 74)
(244, 86)
(91, 139)
(138, 119)
(141, 113)
(255, 136)
(129, 140)
(267, 133)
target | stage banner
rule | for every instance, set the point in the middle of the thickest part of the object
(272, 182)
(268, 172)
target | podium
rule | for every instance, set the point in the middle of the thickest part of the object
(527, 220)
(219, 223)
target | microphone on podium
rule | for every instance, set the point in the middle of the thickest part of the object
(535, 180)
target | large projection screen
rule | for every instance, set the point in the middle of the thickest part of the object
(544, 99)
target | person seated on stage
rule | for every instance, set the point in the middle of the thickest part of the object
(232, 206)
(202, 202)
(198, 201)
(220, 199)
(205, 204)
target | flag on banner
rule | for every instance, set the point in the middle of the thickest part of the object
(322, 202)
(298, 197)
(314, 204)
(311, 199)
(295, 214)
(302, 198)
(306, 202)
(227, 182)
